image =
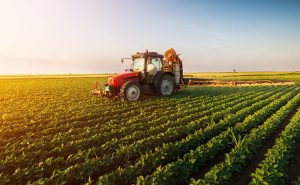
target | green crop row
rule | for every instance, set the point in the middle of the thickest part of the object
(33, 155)
(170, 151)
(273, 169)
(180, 171)
(246, 148)
(132, 151)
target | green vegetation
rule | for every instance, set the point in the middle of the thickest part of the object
(274, 166)
(295, 75)
(52, 131)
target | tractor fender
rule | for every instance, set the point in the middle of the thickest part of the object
(158, 76)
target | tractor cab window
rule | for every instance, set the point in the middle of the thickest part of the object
(154, 65)
(157, 62)
(138, 64)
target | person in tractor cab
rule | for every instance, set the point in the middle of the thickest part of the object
(151, 68)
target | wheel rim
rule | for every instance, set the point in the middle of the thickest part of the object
(166, 87)
(133, 93)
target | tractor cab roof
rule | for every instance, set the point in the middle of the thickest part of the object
(146, 54)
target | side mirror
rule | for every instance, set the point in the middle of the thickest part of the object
(122, 60)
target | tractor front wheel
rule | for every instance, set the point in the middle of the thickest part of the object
(130, 91)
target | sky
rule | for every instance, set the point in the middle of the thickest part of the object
(91, 36)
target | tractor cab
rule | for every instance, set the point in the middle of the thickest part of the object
(147, 64)
(149, 71)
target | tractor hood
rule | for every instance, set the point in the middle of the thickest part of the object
(126, 75)
(120, 79)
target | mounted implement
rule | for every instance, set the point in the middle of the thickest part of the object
(149, 73)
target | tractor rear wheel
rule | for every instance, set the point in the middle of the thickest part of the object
(130, 91)
(166, 85)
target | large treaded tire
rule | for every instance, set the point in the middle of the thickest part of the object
(165, 91)
(131, 91)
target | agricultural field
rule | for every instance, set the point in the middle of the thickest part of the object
(293, 75)
(52, 131)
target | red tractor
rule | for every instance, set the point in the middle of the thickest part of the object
(150, 72)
